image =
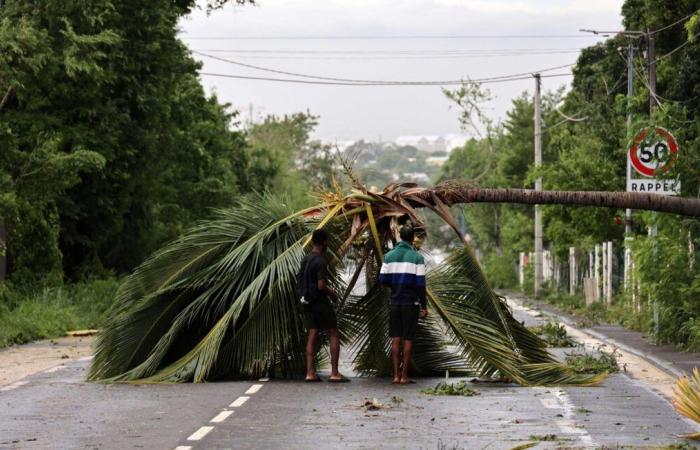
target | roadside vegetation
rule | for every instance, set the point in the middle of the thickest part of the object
(52, 311)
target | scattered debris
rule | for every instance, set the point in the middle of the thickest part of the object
(583, 410)
(524, 446)
(444, 388)
(599, 362)
(554, 334)
(396, 400)
(543, 437)
(373, 405)
(81, 333)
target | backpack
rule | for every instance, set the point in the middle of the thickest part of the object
(303, 289)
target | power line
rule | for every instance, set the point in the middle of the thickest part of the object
(375, 57)
(395, 37)
(675, 23)
(359, 81)
(388, 52)
(405, 83)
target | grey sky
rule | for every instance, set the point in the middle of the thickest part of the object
(351, 112)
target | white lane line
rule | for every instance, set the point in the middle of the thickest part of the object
(183, 447)
(199, 434)
(550, 403)
(253, 389)
(239, 402)
(567, 424)
(264, 379)
(223, 415)
(14, 385)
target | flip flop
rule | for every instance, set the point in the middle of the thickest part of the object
(338, 380)
(313, 380)
(407, 382)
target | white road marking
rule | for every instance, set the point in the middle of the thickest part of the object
(199, 434)
(85, 358)
(183, 447)
(239, 402)
(54, 369)
(14, 385)
(264, 379)
(567, 424)
(550, 403)
(223, 415)
(253, 389)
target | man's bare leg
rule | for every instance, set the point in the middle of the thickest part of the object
(396, 358)
(310, 353)
(407, 350)
(335, 352)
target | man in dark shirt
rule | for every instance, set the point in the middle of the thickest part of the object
(318, 311)
(404, 271)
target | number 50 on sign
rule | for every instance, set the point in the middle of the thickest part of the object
(653, 153)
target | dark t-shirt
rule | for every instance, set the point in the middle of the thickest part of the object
(317, 270)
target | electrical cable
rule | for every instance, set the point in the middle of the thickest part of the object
(359, 81)
(675, 23)
(395, 37)
(406, 83)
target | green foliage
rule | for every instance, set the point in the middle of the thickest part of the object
(51, 312)
(594, 363)
(106, 119)
(444, 388)
(554, 334)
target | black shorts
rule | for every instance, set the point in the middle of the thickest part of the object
(320, 315)
(403, 321)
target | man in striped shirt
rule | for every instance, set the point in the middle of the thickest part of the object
(404, 271)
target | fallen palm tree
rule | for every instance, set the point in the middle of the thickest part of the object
(220, 302)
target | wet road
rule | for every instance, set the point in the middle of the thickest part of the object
(57, 409)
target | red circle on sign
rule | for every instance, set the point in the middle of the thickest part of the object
(672, 146)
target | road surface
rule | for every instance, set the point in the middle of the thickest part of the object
(56, 408)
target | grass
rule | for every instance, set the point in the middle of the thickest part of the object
(51, 312)
(554, 334)
(593, 363)
(444, 388)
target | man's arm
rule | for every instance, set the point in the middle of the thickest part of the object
(322, 276)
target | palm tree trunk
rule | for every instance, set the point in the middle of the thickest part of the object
(455, 193)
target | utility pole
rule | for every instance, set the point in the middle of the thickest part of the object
(538, 187)
(630, 93)
(651, 55)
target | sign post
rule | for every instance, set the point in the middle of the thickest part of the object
(652, 154)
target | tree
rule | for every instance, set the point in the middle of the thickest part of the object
(220, 301)
(112, 78)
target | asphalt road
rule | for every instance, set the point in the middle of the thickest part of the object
(57, 409)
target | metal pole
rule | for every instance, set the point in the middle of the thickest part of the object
(538, 187)
(628, 212)
(630, 80)
(651, 54)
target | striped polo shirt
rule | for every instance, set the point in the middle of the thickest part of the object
(404, 271)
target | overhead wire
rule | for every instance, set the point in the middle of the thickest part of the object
(394, 37)
(675, 23)
(404, 83)
(362, 81)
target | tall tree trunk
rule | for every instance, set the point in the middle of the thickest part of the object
(454, 193)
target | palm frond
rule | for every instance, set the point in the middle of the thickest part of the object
(229, 314)
(686, 399)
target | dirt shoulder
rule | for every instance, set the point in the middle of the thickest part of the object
(19, 361)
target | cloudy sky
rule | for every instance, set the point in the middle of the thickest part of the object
(407, 40)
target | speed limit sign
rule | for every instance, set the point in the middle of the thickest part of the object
(653, 153)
